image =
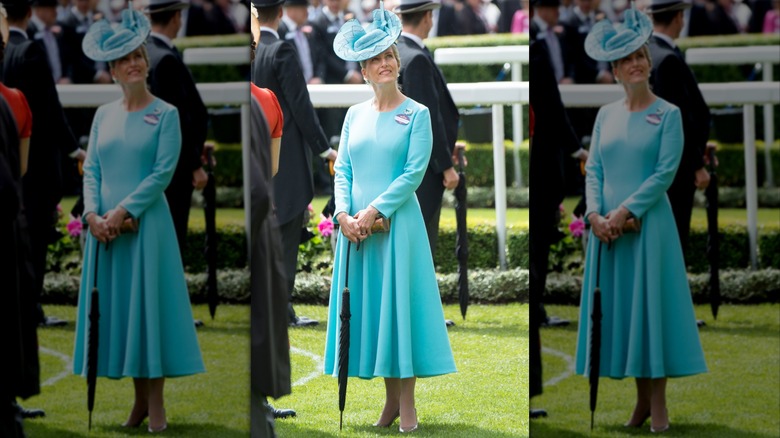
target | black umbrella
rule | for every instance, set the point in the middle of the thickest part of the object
(210, 211)
(595, 341)
(92, 342)
(343, 371)
(713, 244)
(462, 239)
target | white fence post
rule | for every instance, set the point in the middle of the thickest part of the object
(751, 193)
(769, 131)
(499, 182)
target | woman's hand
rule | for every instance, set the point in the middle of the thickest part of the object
(349, 227)
(365, 219)
(616, 219)
(600, 226)
(114, 219)
(99, 228)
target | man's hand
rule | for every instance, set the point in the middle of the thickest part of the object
(451, 178)
(459, 145)
(702, 178)
(332, 155)
(199, 178)
(81, 155)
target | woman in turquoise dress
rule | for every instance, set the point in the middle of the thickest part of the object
(649, 328)
(397, 327)
(146, 329)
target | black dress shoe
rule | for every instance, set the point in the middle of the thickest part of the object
(700, 323)
(537, 413)
(52, 321)
(198, 323)
(282, 413)
(31, 413)
(302, 321)
(449, 323)
(554, 321)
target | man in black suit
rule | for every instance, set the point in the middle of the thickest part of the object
(422, 81)
(170, 80)
(296, 29)
(277, 68)
(674, 81)
(337, 71)
(446, 19)
(544, 26)
(552, 140)
(26, 67)
(44, 29)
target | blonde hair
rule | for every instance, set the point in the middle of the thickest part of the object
(144, 53)
(396, 55)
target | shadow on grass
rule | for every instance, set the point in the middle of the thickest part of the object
(426, 429)
(497, 329)
(749, 329)
(41, 429)
(544, 428)
(232, 329)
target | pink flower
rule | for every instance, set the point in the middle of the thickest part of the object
(325, 226)
(577, 226)
(311, 209)
(74, 227)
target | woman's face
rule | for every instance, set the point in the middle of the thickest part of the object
(633, 69)
(382, 68)
(131, 68)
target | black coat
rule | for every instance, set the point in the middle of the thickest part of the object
(277, 68)
(336, 69)
(63, 48)
(579, 66)
(26, 67)
(447, 23)
(270, 350)
(82, 70)
(673, 80)
(18, 317)
(171, 80)
(469, 22)
(553, 139)
(317, 50)
(422, 81)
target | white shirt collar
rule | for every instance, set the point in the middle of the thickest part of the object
(666, 38)
(541, 23)
(414, 38)
(579, 13)
(163, 38)
(268, 29)
(39, 25)
(78, 13)
(17, 30)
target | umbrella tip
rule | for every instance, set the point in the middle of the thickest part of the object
(341, 420)
(591, 421)
(89, 424)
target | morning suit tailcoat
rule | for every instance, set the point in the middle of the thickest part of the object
(422, 80)
(674, 81)
(26, 67)
(270, 348)
(18, 319)
(336, 68)
(82, 69)
(170, 80)
(277, 68)
(553, 139)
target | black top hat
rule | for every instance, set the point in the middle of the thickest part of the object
(266, 3)
(550, 3)
(296, 3)
(657, 6)
(410, 6)
(166, 5)
(50, 3)
(15, 3)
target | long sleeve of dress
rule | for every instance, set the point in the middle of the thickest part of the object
(342, 182)
(93, 177)
(153, 186)
(417, 158)
(669, 156)
(594, 172)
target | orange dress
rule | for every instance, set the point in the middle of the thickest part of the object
(273, 112)
(20, 108)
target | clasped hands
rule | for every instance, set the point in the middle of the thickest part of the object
(357, 228)
(106, 228)
(609, 227)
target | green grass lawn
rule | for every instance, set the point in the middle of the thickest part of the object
(738, 398)
(486, 398)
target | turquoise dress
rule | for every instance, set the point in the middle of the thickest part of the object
(146, 328)
(397, 327)
(648, 325)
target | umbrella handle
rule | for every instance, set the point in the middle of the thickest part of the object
(461, 158)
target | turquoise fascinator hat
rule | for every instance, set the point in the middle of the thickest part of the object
(353, 43)
(609, 42)
(107, 41)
